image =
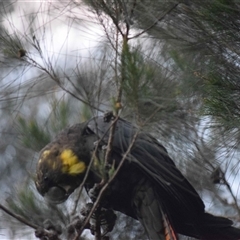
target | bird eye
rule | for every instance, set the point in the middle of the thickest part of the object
(45, 178)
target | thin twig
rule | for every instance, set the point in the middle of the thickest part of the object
(85, 177)
(119, 97)
(115, 21)
(73, 212)
(127, 19)
(103, 189)
(106, 31)
(225, 182)
(19, 218)
(223, 178)
(110, 140)
(54, 77)
(87, 172)
(155, 23)
(47, 234)
(133, 8)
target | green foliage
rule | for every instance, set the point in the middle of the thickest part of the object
(32, 135)
(25, 204)
(137, 77)
(217, 7)
(86, 113)
(193, 65)
(146, 88)
(178, 60)
(60, 115)
(221, 101)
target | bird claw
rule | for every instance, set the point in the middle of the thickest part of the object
(104, 147)
(105, 217)
(99, 143)
(94, 191)
(49, 230)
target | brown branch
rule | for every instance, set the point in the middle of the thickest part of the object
(119, 97)
(19, 218)
(127, 19)
(39, 231)
(110, 141)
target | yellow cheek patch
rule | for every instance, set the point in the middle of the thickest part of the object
(71, 164)
(77, 168)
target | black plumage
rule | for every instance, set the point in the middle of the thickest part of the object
(148, 186)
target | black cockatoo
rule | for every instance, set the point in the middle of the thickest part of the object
(149, 187)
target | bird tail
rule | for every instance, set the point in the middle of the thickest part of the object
(169, 232)
(218, 228)
(150, 213)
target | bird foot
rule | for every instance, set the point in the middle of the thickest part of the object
(49, 231)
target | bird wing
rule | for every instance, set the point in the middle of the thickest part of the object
(174, 191)
(150, 213)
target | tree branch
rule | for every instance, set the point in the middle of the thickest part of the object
(19, 218)
(106, 185)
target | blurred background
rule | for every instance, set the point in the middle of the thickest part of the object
(174, 64)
